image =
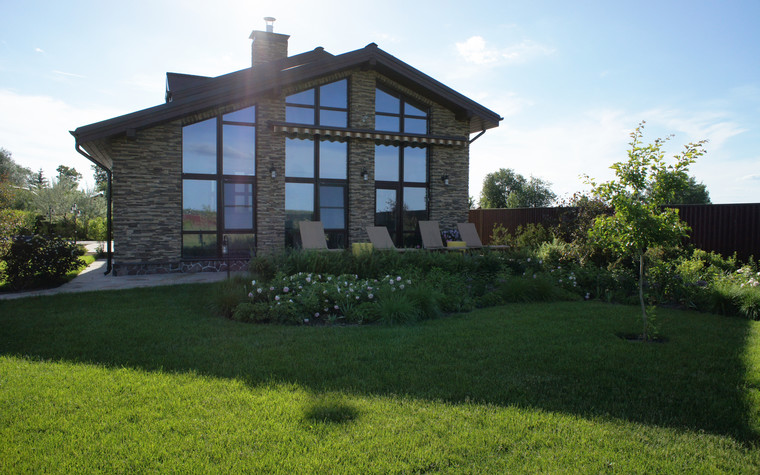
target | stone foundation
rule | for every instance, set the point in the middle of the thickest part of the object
(208, 265)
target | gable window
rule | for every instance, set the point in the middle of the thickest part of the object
(316, 188)
(396, 113)
(325, 105)
(218, 185)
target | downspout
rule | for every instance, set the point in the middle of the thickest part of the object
(109, 229)
(477, 136)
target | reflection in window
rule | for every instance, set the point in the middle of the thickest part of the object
(196, 246)
(299, 158)
(199, 147)
(386, 162)
(299, 206)
(199, 205)
(415, 164)
(238, 206)
(332, 210)
(239, 150)
(393, 113)
(324, 105)
(332, 159)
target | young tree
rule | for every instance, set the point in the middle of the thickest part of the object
(11, 171)
(641, 187)
(38, 180)
(508, 189)
(68, 177)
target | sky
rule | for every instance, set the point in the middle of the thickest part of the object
(572, 79)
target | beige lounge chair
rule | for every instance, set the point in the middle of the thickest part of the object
(431, 236)
(381, 239)
(470, 236)
(313, 236)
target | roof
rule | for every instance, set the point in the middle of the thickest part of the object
(187, 94)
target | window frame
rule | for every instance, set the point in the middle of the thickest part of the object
(401, 115)
(316, 107)
(335, 234)
(400, 236)
(221, 179)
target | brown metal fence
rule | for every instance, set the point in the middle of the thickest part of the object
(725, 228)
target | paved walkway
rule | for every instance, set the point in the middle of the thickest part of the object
(92, 279)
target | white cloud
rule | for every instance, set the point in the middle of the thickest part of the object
(37, 50)
(68, 75)
(35, 129)
(476, 50)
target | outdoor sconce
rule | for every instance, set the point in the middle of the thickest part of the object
(445, 180)
(273, 172)
(365, 174)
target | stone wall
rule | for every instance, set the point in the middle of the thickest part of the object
(147, 195)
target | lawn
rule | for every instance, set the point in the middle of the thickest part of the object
(149, 380)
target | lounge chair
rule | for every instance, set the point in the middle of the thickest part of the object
(470, 236)
(313, 236)
(381, 239)
(431, 236)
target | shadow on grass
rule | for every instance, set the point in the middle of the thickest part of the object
(563, 357)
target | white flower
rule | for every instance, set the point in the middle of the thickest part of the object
(308, 279)
(250, 295)
(316, 314)
(357, 297)
(398, 279)
(370, 296)
(335, 307)
(285, 289)
(253, 283)
(271, 288)
(400, 287)
(306, 320)
(277, 297)
(529, 259)
(259, 290)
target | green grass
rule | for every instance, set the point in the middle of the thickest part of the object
(147, 380)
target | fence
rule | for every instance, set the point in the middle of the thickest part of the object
(726, 228)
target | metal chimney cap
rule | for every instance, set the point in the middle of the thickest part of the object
(270, 23)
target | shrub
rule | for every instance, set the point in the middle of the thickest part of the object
(396, 309)
(228, 295)
(40, 261)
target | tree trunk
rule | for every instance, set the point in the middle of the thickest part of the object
(645, 333)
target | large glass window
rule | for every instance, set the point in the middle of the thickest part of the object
(218, 170)
(315, 188)
(396, 113)
(324, 105)
(401, 187)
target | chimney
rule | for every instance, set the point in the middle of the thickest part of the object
(267, 45)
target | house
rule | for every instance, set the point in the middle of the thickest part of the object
(233, 163)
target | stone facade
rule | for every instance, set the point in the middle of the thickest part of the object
(147, 178)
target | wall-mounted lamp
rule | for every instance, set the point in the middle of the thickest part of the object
(365, 174)
(273, 172)
(445, 180)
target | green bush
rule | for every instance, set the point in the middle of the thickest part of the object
(39, 261)
(396, 309)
